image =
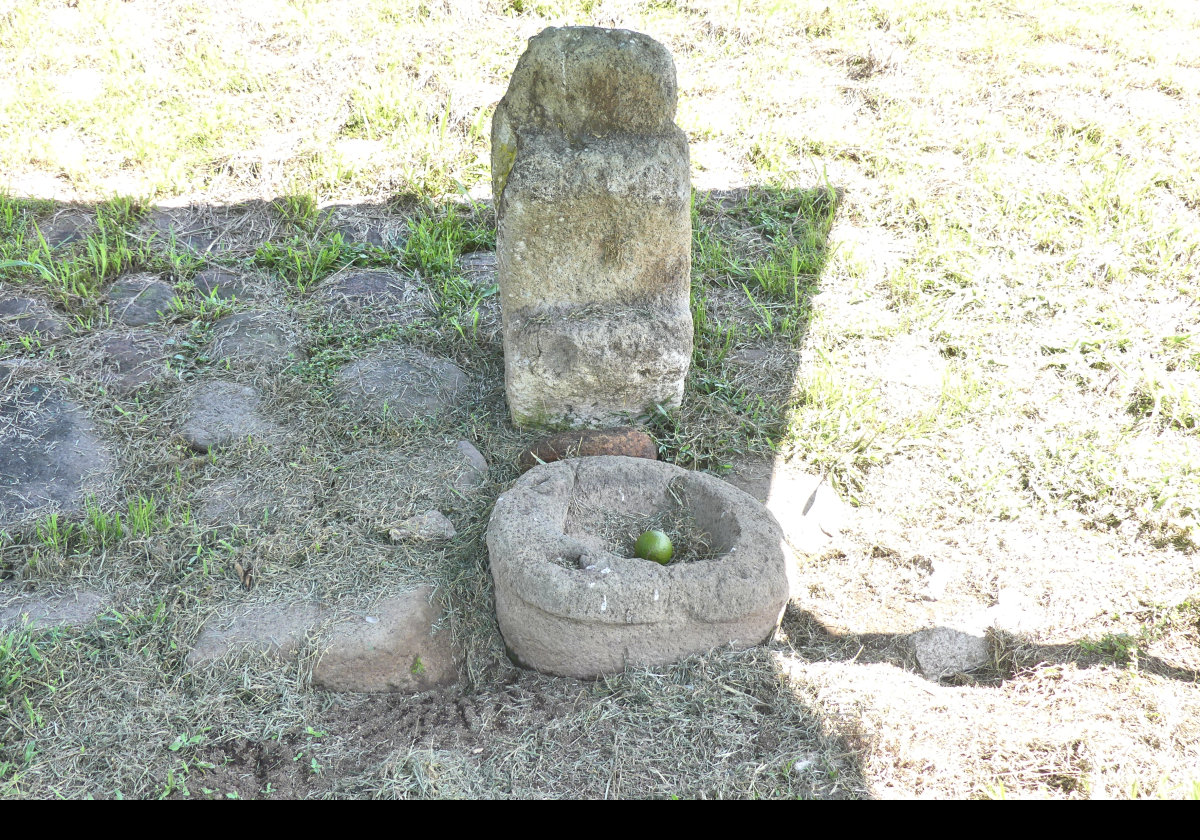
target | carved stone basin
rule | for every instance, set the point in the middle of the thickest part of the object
(572, 599)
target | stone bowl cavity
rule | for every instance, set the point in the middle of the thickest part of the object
(572, 600)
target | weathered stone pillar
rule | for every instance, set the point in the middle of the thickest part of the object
(591, 180)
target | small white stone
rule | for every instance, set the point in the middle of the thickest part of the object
(945, 651)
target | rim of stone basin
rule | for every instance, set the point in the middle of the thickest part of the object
(598, 611)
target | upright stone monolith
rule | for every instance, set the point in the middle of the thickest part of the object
(591, 180)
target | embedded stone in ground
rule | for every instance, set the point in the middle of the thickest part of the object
(51, 457)
(66, 228)
(252, 340)
(372, 235)
(943, 651)
(223, 283)
(139, 299)
(374, 296)
(585, 442)
(131, 360)
(220, 413)
(479, 268)
(394, 646)
(570, 601)
(430, 525)
(377, 226)
(474, 469)
(401, 384)
(182, 226)
(40, 610)
(29, 316)
(593, 200)
(274, 630)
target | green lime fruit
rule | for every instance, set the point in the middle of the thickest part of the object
(656, 546)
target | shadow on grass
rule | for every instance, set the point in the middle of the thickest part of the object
(759, 254)
(1010, 655)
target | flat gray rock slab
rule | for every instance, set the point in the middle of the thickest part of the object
(223, 283)
(127, 361)
(67, 228)
(475, 469)
(139, 299)
(479, 268)
(430, 525)
(374, 297)
(393, 647)
(370, 225)
(183, 226)
(401, 384)
(253, 340)
(274, 630)
(568, 604)
(220, 413)
(51, 456)
(373, 235)
(943, 651)
(29, 317)
(38, 611)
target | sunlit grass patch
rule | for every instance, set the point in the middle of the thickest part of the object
(836, 425)
(1117, 478)
(1166, 401)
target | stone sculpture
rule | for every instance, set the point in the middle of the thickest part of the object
(591, 180)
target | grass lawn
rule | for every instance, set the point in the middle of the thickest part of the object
(946, 256)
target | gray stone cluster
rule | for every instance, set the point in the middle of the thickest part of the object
(592, 184)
